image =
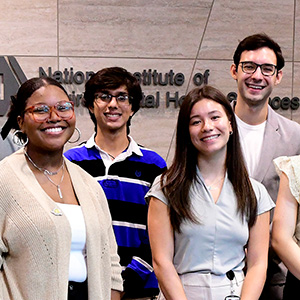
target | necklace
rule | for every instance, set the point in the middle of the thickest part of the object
(48, 173)
(110, 155)
(45, 171)
(113, 157)
(57, 185)
(211, 187)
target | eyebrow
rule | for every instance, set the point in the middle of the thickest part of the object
(121, 93)
(210, 113)
(251, 61)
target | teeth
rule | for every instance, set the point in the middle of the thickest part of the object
(255, 87)
(210, 138)
(110, 115)
(56, 129)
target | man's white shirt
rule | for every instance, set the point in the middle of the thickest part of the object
(251, 138)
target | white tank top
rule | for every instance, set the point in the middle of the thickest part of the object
(77, 267)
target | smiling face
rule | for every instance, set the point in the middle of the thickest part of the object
(256, 88)
(54, 132)
(209, 128)
(112, 116)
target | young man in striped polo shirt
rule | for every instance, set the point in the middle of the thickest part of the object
(124, 169)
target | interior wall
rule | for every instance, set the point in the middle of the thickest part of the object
(183, 38)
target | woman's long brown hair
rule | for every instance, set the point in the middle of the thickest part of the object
(176, 181)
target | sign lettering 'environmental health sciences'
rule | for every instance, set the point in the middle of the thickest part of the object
(12, 76)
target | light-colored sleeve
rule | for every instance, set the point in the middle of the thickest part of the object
(156, 191)
(264, 201)
(3, 248)
(116, 278)
(291, 168)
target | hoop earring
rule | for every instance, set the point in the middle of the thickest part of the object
(230, 132)
(18, 138)
(79, 136)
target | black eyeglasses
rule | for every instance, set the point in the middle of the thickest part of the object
(106, 98)
(42, 112)
(250, 67)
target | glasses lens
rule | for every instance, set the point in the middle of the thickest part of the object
(268, 70)
(64, 109)
(40, 109)
(103, 97)
(249, 67)
(122, 98)
(40, 112)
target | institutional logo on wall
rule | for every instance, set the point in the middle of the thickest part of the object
(11, 77)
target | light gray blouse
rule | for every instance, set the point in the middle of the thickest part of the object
(216, 244)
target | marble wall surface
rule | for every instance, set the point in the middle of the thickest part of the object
(185, 36)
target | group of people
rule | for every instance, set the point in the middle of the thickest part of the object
(108, 219)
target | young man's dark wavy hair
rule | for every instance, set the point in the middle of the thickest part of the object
(257, 41)
(111, 79)
(177, 180)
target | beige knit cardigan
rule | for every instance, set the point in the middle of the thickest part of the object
(35, 242)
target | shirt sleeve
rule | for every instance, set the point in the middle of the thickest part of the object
(264, 201)
(291, 167)
(156, 191)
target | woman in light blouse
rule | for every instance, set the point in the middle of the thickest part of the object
(204, 210)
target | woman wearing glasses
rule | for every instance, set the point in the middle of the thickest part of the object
(56, 238)
(204, 210)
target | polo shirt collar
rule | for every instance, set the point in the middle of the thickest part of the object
(132, 148)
